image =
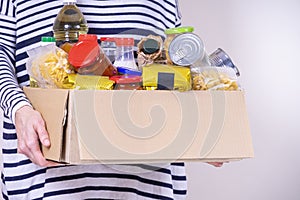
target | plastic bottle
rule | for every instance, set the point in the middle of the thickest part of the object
(45, 40)
(69, 24)
(124, 54)
(108, 45)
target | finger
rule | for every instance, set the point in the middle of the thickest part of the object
(36, 156)
(43, 134)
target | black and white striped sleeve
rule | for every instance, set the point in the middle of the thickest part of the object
(11, 95)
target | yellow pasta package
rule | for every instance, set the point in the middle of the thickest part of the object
(49, 67)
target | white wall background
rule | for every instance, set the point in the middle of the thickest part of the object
(263, 39)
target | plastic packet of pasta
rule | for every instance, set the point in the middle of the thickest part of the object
(214, 78)
(49, 66)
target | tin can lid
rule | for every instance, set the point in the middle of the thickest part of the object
(186, 49)
(119, 79)
(150, 46)
(178, 30)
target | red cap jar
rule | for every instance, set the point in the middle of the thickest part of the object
(88, 58)
(127, 82)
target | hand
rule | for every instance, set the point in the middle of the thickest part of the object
(216, 164)
(31, 130)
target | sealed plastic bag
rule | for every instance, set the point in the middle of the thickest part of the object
(49, 67)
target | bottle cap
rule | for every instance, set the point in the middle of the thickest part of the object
(122, 70)
(124, 41)
(150, 46)
(47, 39)
(84, 53)
(109, 39)
(88, 37)
(179, 30)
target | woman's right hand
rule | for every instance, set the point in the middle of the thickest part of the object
(31, 130)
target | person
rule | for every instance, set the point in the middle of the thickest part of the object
(26, 173)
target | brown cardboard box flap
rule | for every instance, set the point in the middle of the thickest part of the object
(52, 104)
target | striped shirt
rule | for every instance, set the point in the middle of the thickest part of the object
(22, 23)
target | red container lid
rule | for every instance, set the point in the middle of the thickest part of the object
(109, 39)
(84, 53)
(87, 37)
(124, 41)
(119, 79)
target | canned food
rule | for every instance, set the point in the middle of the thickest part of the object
(188, 49)
(220, 58)
(171, 34)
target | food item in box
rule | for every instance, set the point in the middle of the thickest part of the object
(214, 78)
(49, 66)
(127, 82)
(188, 50)
(149, 50)
(171, 33)
(88, 58)
(69, 24)
(221, 59)
(170, 77)
(90, 82)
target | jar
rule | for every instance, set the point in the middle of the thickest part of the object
(125, 54)
(88, 58)
(127, 82)
(171, 34)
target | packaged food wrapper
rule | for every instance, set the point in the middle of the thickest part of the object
(145, 59)
(91, 82)
(214, 78)
(49, 66)
(166, 77)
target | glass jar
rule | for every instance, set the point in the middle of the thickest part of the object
(88, 58)
(127, 82)
(171, 34)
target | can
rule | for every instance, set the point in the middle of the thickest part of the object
(220, 58)
(187, 49)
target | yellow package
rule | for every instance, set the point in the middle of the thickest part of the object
(90, 82)
(169, 77)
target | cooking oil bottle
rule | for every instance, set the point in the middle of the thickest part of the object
(69, 24)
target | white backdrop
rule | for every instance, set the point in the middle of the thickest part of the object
(263, 39)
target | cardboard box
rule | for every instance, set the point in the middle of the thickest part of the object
(87, 126)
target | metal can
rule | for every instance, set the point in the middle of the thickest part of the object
(188, 49)
(220, 58)
(170, 35)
